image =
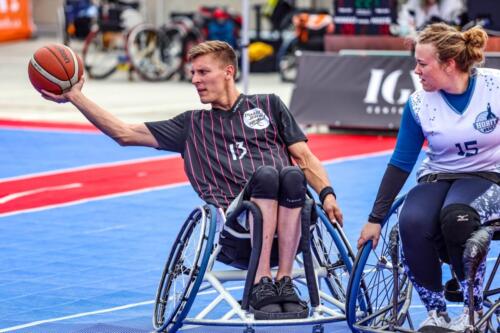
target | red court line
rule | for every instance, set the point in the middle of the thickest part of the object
(56, 188)
(44, 125)
(329, 146)
(70, 186)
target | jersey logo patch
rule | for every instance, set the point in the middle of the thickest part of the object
(486, 121)
(256, 119)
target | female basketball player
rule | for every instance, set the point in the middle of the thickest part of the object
(456, 111)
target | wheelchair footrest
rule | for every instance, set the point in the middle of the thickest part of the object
(318, 329)
(261, 315)
(434, 329)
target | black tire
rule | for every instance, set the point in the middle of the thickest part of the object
(102, 53)
(197, 232)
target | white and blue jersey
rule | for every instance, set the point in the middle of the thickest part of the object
(461, 130)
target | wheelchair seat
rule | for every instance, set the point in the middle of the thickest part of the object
(197, 268)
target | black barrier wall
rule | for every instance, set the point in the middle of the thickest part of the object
(351, 91)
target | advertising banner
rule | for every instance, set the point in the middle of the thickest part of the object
(15, 20)
(351, 91)
(368, 17)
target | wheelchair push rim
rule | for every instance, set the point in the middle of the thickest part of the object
(194, 242)
(334, 254)
(371, 285)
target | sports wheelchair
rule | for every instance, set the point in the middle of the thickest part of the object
(379, 291)
(197, 268)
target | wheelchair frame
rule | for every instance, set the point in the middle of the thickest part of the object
(327, 300)
(365, 312)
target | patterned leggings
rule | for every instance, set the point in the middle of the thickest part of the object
(434, 300)
(420, 229)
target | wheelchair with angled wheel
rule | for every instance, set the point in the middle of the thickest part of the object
(202, 265)
(380, 293)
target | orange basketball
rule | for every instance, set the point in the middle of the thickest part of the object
(55, 68)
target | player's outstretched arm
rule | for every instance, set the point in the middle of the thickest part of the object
(316, 177)
(123, 133)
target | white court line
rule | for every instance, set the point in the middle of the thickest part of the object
(78, 315)
(91, 313)
(97, 231)
(90, 166)
(13, 196)
(103, 197)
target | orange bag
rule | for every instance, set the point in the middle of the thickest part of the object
(312, 24)
(16, 21)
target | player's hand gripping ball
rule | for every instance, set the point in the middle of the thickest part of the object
(55, 68)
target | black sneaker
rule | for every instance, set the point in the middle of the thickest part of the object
(290, 301)
(264, 299)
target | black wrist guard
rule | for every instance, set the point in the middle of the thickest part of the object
(324, 192)
(373, 219)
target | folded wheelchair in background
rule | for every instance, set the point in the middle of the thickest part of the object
(197, 268)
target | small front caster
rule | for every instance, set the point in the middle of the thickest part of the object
(249, 329)
(318, 329)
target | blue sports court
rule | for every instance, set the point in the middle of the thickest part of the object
(94, 265)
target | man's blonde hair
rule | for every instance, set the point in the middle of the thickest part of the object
(222, 51)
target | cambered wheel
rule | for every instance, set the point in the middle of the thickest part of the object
(184, 270)
(372, 281)
(332, 251)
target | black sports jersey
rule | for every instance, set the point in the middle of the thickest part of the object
(222, 149)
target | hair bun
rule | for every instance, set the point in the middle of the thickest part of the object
(475, 37)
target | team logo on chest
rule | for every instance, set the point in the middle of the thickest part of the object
(256, 119)
(486, 121)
